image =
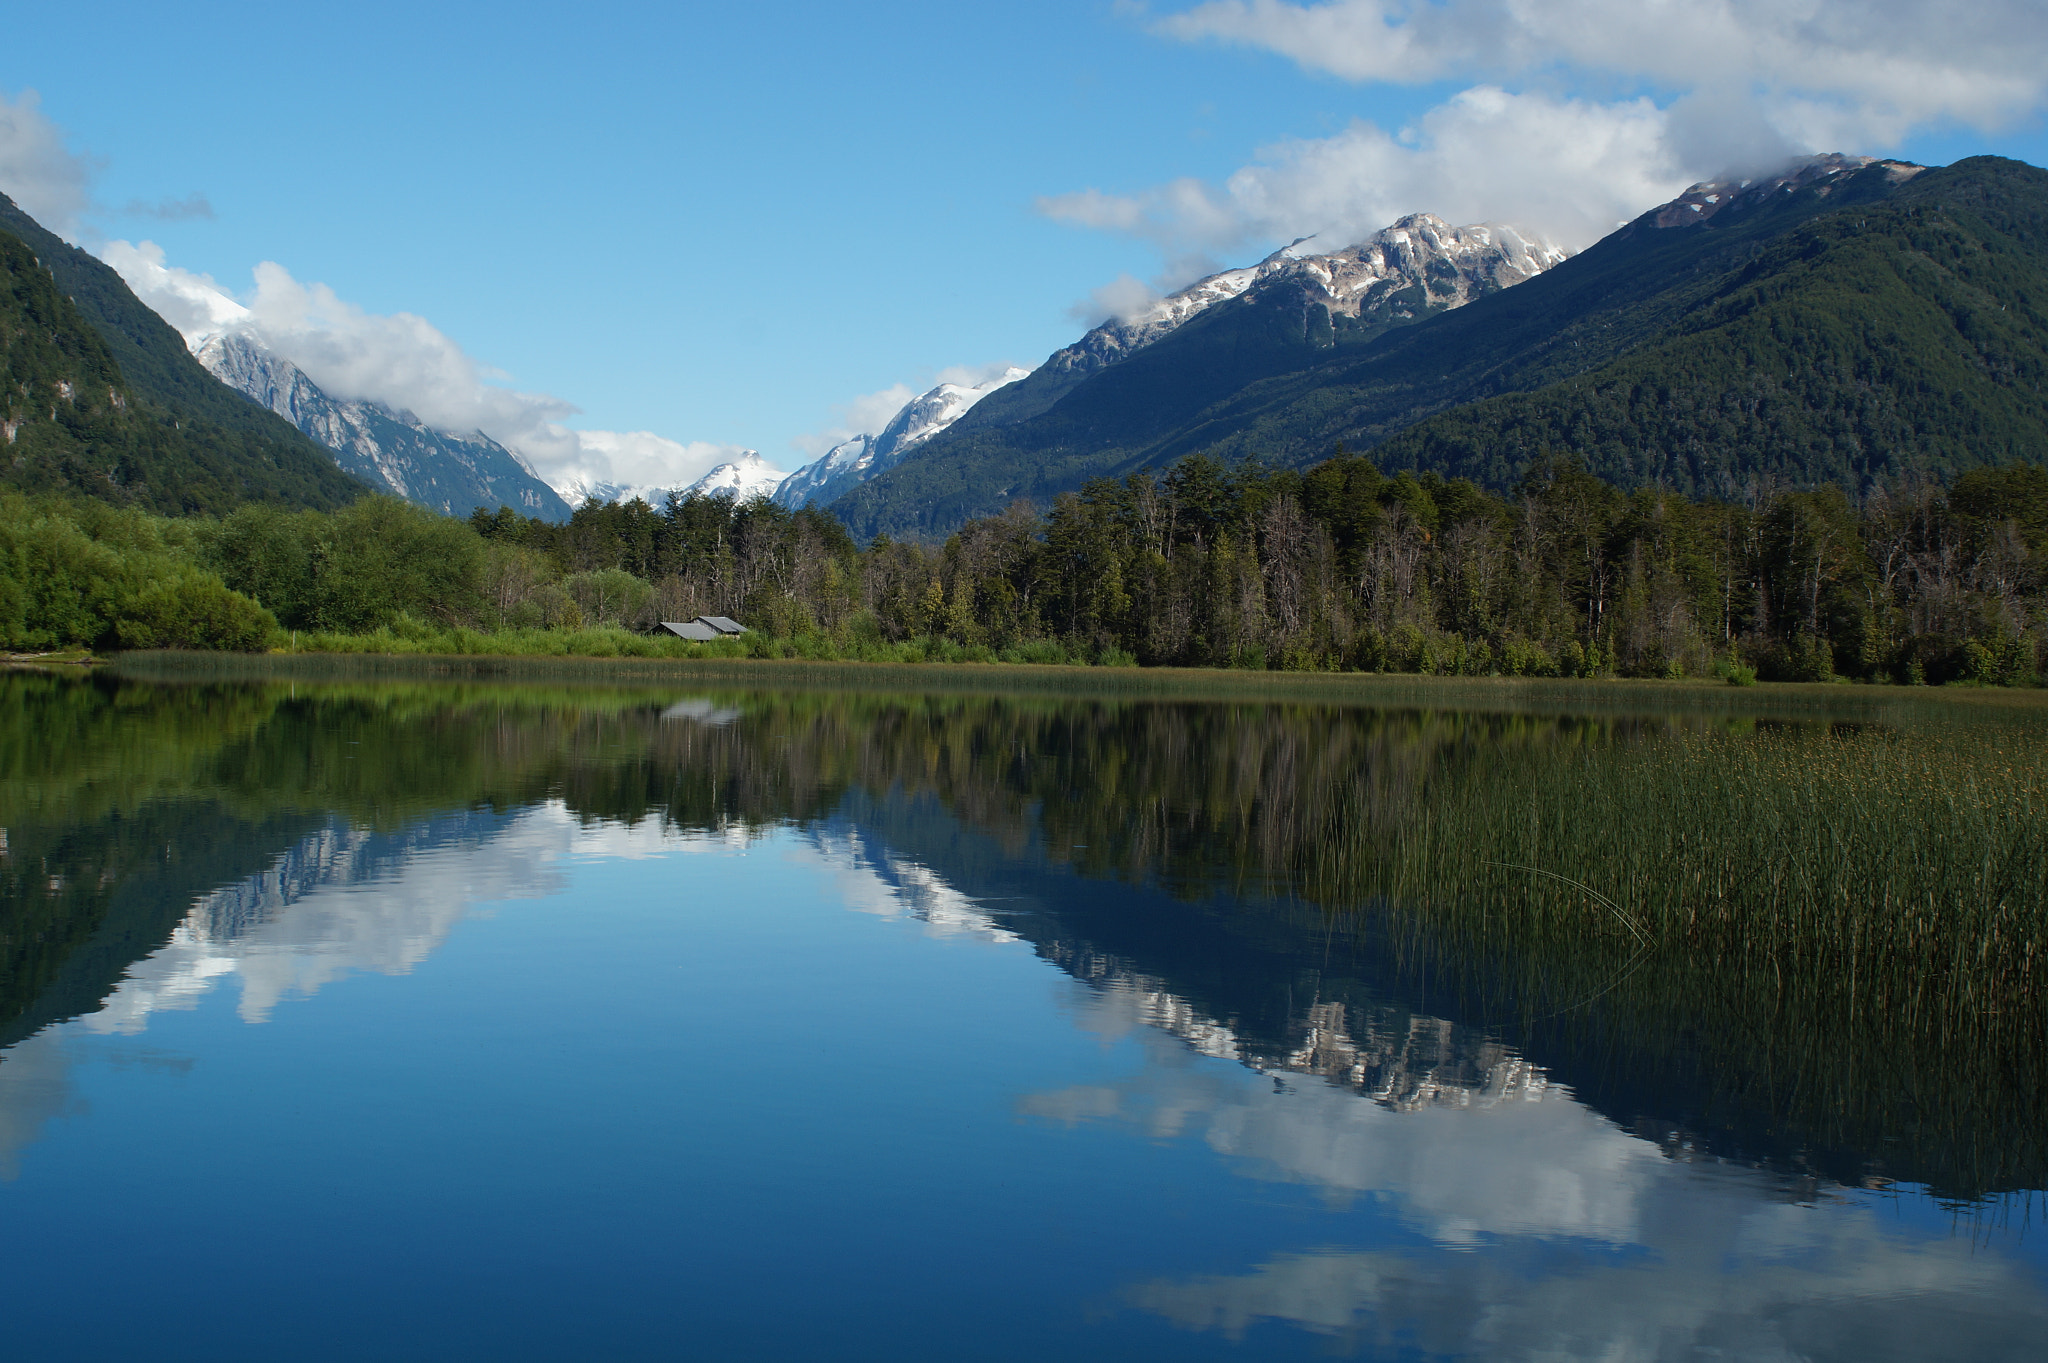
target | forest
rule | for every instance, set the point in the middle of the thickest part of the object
(1339, 568)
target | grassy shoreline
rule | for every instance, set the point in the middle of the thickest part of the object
(1405, 690)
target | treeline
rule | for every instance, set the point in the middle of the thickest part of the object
(1337, 568)
(1345, 568)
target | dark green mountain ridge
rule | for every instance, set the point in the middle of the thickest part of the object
(102, 398)
(1859, 321)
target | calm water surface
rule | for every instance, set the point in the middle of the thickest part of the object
(403, 1021)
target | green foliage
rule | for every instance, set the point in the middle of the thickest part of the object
(612, 597)
(75, 575)
(380, 558)
(1340, 568)
(193, 609)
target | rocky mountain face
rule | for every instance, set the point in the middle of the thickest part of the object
(393, 451)
(1420, 264)
(842, 467)
(747, 476)
(852, 462)
(1710, 198)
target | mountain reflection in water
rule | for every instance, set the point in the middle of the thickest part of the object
(1613, 1179)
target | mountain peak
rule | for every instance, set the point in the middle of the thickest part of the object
(860, 458)
(742, 479)
(1708, 198)
(1449, 264)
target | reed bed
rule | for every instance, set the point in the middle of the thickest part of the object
(1846, 928)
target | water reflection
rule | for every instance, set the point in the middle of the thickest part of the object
(1724, 1272)
(1635, 1178)
(343, 900)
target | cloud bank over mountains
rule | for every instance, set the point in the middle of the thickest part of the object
(1701, 88)
(401, 360)
(405, 362)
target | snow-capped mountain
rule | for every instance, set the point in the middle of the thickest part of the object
(746, 477)
(575, 491)
(1710, 197)
(1449, 265)
(390, 449)
(839, 467)
(855, 461)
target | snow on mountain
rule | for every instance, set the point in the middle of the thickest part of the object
(575, 491)
(1710, 197)
(390, 449)
(839, 467)
(1449, 265)
(744, 478)
(854, 461)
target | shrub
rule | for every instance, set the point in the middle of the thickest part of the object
(194, 610)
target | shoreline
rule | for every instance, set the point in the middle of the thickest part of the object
(1369, 689)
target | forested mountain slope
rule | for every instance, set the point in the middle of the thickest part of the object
(70, 420)
(1906, 334)
(152, 355)
(1657, 354)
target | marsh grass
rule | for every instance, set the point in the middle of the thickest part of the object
(908, 675)
(1850, 923)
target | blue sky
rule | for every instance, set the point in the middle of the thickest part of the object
(742, 226)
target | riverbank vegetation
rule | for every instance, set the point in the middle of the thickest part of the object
(1339, 568)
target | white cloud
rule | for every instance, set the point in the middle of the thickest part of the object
(195, 304)
(1124, 296)
(404, 361)
(37, 171)
(628, 459)
(971, 375)
(1567, 168)
(1895, 62)
(1524, 1195)
(401, 360)
(1708, 87)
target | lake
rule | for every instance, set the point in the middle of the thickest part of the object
(641, 1016)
